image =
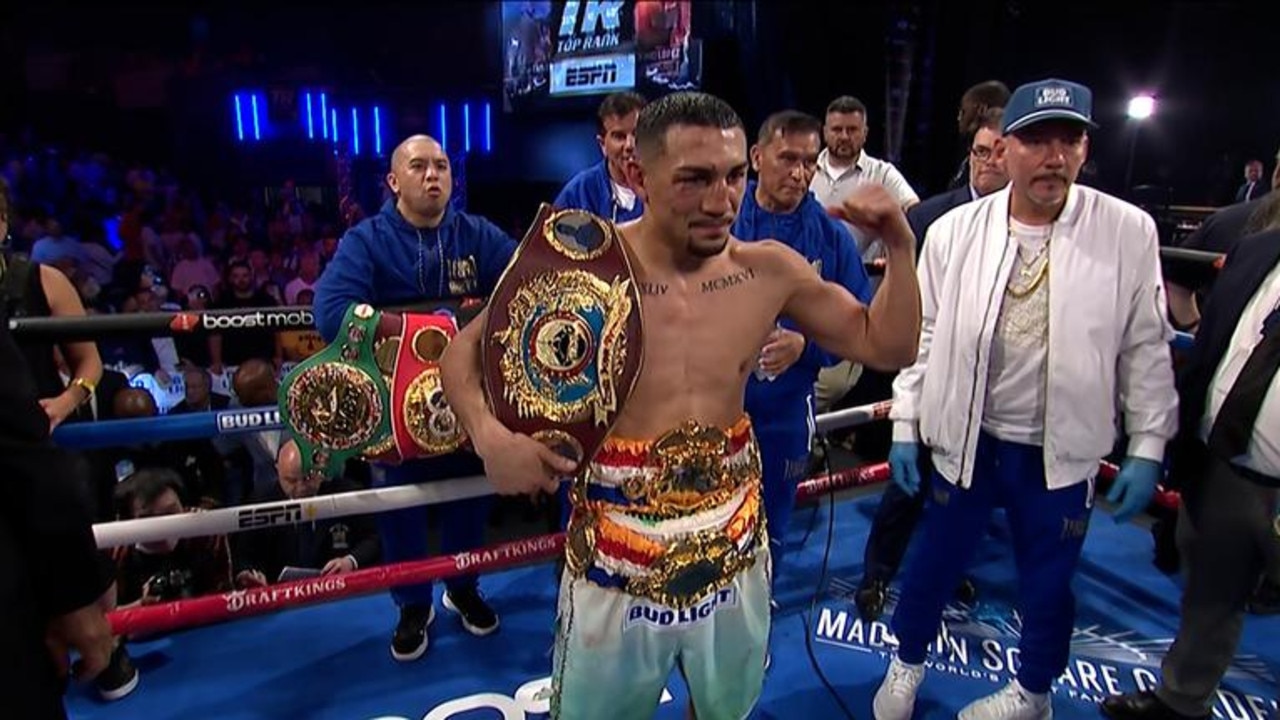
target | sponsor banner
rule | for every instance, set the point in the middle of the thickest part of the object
(253, 419)
(282, 319)
(980, 644)
(285, 513)
(593, 75)
(509, 553)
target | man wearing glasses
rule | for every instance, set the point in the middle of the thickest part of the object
(986, 175)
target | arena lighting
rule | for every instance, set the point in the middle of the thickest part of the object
(377, 131)
(466, 127)
(444, 130)
(334, 116)
(257, 132)
(324, 115)
(488, 129)
(239, 120)
(1141, 107)
(311, 123)
(355, 130)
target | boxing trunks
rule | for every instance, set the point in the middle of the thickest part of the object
(667, 565)
(375, 392)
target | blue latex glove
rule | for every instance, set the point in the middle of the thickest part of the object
(904, 466)
(1134, 487)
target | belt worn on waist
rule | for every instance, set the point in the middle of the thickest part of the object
(670, 521)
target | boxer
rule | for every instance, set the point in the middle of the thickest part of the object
(668, 560)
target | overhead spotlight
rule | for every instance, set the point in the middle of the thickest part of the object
(1142, 107)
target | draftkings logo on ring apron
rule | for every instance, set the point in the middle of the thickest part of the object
(979, 644)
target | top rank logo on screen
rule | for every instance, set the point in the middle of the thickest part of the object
(591, 25)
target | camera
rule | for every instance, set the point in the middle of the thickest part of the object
(170, 585)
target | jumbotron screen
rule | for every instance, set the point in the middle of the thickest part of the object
(577, 48)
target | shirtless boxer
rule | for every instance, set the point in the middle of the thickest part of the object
(668, 563)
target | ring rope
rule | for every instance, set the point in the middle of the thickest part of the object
(210, 609)
(195, 426)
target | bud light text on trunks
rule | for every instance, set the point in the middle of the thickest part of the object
(662, 617)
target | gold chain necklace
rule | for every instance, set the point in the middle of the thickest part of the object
(1029, 269)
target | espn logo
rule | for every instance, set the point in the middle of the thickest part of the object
(588, 75)
(286, 514)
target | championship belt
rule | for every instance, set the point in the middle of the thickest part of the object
(563, 341)
(408, 355)
(335, 404)
(374, 392)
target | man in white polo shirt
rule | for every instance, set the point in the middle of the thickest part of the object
(843, 166)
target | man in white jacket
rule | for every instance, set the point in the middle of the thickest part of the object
(1044, 314)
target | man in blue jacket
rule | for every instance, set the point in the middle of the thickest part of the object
(419, 249)
(779, 394)
(602, 188)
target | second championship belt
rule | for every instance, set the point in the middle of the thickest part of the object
(336, 404)
(408, 354)
(563, 342)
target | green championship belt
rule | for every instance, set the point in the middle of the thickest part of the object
(563, 339)
(336, 404)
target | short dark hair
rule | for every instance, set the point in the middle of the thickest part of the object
(975, 103)
(682, 108)
(992, 119)
(619, 104)
(788, 122)
(846, 104)
(145, 487)
(987, 94)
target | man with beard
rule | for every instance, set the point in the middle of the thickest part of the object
(602, 189)
(844, 165)
(1044, 318)
(419, 249)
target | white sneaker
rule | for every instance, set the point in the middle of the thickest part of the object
(1013, 702)
(896, 697)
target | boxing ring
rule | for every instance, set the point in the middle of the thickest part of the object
(317, 648)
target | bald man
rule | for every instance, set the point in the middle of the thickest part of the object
(255, 385)
(329, 547)
(418, 249)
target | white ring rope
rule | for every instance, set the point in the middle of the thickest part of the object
(225, 521)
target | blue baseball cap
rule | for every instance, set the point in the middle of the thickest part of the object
(1050, 99)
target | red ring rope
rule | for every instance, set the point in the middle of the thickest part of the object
(180, 614)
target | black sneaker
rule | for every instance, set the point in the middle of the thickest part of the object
(410, 639)
(477, 617)
(119, 678)
(870, 599)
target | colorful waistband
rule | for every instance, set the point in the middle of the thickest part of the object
(688, 470)
(670, 520)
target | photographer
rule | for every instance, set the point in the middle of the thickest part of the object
(150, 573)
(167, 569)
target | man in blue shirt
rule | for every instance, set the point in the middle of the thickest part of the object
(416, 249)
(602, 188)
(780, 207)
